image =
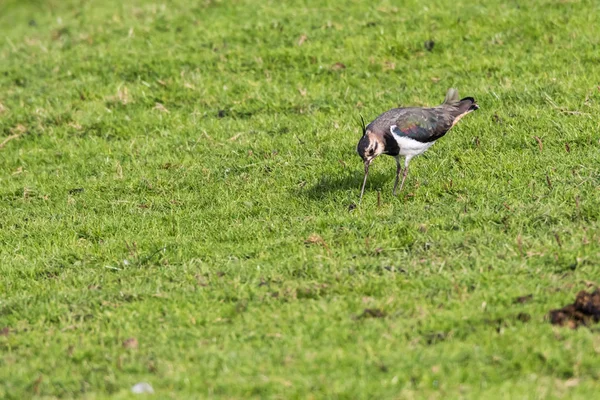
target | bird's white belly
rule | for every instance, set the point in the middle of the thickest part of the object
(411, 147)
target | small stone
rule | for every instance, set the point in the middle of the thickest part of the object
(141, 388)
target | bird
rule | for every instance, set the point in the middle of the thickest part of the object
(409, 132)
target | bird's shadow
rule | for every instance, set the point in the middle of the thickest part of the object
(328, 185)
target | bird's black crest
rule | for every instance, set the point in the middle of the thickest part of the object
(364, 127)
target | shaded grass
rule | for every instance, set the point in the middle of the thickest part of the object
(175, 161)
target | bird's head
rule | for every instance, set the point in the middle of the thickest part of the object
(369, 146)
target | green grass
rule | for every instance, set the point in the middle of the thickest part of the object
(215, 229)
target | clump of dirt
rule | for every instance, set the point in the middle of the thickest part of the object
(584, 311)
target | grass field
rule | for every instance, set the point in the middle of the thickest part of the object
(176, 190)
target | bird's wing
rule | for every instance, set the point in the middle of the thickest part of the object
(423, 125)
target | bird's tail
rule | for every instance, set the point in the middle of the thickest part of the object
(462, 106)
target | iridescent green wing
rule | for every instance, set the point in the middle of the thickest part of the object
(423, 125)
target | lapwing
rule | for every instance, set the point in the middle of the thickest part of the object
(409, 132)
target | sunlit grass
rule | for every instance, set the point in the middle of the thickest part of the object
(184, 175)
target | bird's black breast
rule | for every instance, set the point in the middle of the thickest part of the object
(391, 145)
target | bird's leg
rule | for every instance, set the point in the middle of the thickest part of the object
(405, 171)
(398, 169)
(403, 178)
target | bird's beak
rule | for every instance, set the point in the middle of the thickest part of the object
(362, 191)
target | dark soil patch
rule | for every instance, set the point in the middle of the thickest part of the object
(391, 268)
(524, 299)
(372, 313)
(523, 317)
(435, 337)
(584, 311)
(501, 323)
